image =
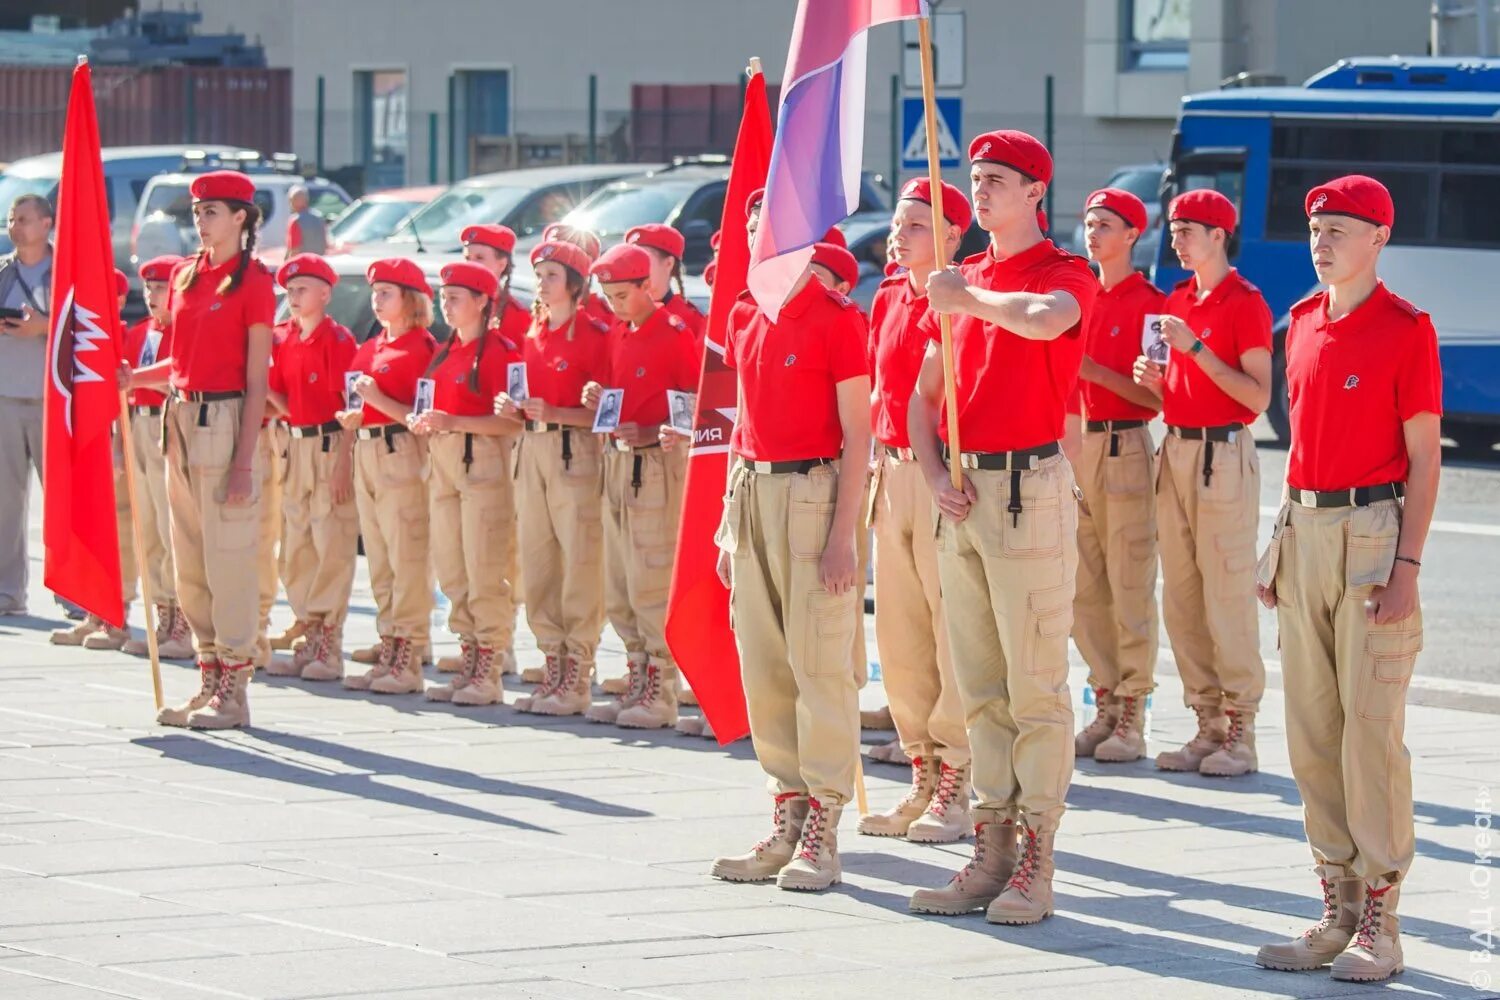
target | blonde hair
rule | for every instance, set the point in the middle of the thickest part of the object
(418, 307)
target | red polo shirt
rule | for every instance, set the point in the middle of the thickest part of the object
(1352, 383)
(136, 340)
(561, 360)
(211, 331)
(1013, 392)
(395, 365)
(684, 310)
(513, 322)
(897, 347)
(466, 378)
(660, 354)
(1113, 341)
(309, 372)
(1232, 320)
(788, 371)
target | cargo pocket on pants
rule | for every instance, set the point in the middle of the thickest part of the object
(1265, 569)
(727, 538)
(1049, 618)
(1389, 658)
(1129, 472)
(239, 528)
(828, 630)
(1369, 559)
(808, 527)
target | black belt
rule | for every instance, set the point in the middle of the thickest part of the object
(146, 411)
(900, 454)
(1014, 462)
(387, 431)
(1360, 496)
(1223, 433)
(1095, 426)
(206, 397)
(537, 425)
(314, 430)
(798, 468)
(622, 446)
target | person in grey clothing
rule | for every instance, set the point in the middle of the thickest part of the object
(308, 230)
(25, 285)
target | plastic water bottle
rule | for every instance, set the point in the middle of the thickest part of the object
(1146, 722)
(440, 606)
(1090, 707)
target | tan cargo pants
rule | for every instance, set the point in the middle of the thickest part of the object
(320, 540)
(1208, 564)
(1115, 621)
(562, 541)
(795, 639)
(640, 542)
(393, 520)
(473, 511)
(1346, 682)
(214, 545)
(272, 444)
(1008, 582)
(154, 512)
(910, 631)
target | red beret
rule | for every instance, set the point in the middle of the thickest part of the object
(956, 209)
(159, 268)
(710, 272)
(122, 283)
(1013, 149)
(1124, 204)
(835, 235)
(222, 185)
(502, 238)
(622, 262)
(306, 265)
(582, 238)
(475, 277)
(1204, 206)
(753, 202)
(569, 255)
(838, 260)
(658, 237)
(1354, 195)
(399, 271)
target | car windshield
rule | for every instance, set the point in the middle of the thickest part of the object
(12, 186)
(451, 211)
(1145, 184)
(612, 210)
(371, 220)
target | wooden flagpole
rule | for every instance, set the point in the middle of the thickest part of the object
(127, 447)
(935, 177)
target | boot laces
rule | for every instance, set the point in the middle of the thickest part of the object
(400, 654)
(1369, 920)
(317, 642)
(1026, 865)
(811, 844)
(210, 680)
(165, 622)
(947, 789)
(1236, 730)
(569, 676)
(650, 686)
(1100, 722)
(1330, 909)
(1128, 706)
(481, 660)
(918, 780)
(976, 863)
(781, 818)
(551, 678)
(225, 688)
(180, 628)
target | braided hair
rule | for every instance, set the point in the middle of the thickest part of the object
(484, 335)
(249, 233)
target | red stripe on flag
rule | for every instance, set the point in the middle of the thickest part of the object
(697, 625)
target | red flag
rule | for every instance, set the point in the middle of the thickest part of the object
(82, 399)
(697, 626)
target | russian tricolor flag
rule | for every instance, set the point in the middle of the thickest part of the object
(820, 132)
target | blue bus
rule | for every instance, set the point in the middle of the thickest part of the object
(1429, 129)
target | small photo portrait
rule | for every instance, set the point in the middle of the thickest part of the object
(1153, 344)
(682, 406)
(515, 381)
(423, 401)
(607, 418)
(352, 399)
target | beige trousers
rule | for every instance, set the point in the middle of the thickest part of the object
(640, 542)
(391, 497)
(562, 541)
(320, 540)
(473, 512)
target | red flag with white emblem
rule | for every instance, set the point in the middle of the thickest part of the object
(82, 397)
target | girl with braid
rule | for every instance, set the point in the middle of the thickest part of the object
(666, 246)
(470, 488)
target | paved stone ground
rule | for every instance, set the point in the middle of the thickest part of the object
(355, 846)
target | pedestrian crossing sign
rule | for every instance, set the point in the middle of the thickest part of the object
(914, 132)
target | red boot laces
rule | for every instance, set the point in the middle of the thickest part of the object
(1127, 716)
(780, 820)
(918, 772)
(947, 789)
(812, 832)
(1027, 865)
(1369, 920)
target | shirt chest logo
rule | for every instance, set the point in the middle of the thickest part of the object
(1114, 331)
(791, 359)
(384, 369)
(640, 372)
(216, 307)
(1206, 331)
(562, 364)
(1352, 382)
(312, 376)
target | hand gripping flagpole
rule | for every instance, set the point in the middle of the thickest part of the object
(935, 176)
(127, 447)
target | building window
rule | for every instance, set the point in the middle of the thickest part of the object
(1154, 34)
(380, 117)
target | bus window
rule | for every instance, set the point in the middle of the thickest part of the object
(1411, 190)
(1470, 212)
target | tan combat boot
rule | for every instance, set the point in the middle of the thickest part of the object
(947, 819)
(303, 652)
(328, 663)
(690, 725)
(571, 696)
(1027, 898)
(656, 708)
(1376, 952)
(140, 647)
(980, 882)
(208, 671)
(362, 682)
(369, 654)
(765, 860)
(467, 649)
(879, 719)
(534, 675)
(109, 637)
(609, 711)
(815, 866)
(1320, 944)
(895, 821)
(229, 708)
(1128, 740)
(1208, 738)
(288, 639)
(484, 680)
(505, 663)
(1237, 755)
(889, 752)
(550, 679)
(75, 634)
(1098, 730)
(179, 644)
(404, 672)
(618, 687)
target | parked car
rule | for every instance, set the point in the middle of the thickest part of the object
(127, 169)
(377, 216)
(164, 219)
(1144, 181)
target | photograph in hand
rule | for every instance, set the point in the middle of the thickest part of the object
(607, 418)
(352, 399)
(1153, 342)
(423, 401)
(515, 381)
(682, 406)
